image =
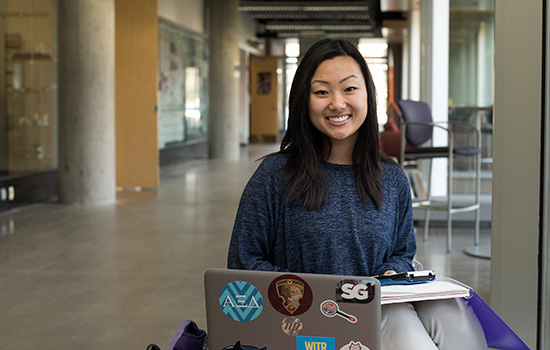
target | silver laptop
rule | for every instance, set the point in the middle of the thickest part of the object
(284, 311)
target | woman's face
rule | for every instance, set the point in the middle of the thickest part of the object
(338, 99)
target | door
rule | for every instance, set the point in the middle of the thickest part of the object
(265, 99)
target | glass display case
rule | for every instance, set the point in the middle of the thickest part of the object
(28, 112)
(28, 102)
(183, 87)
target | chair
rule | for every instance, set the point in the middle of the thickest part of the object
(417, 127)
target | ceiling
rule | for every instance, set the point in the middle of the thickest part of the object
(353, 19)
(325, 18)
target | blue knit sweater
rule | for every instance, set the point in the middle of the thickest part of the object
(343, 237)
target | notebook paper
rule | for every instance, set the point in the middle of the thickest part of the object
(445, 288)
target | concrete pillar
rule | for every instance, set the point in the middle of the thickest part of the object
(86, 101)
(223, 84)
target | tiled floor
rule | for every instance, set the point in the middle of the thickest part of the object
(125, 275)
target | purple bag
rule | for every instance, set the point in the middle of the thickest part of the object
(497, 333)
(188, 337)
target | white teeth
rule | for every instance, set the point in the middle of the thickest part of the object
(338, 119)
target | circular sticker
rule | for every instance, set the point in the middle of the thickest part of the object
(290, 295)
(292, 326)
(241, 301)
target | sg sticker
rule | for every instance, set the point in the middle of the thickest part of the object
(354, 345)
(292, 326)
(241, 301)
(355, 291)
(290, 295)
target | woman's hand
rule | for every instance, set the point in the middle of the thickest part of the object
(390, 272)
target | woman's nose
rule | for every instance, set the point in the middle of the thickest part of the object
(338, 103)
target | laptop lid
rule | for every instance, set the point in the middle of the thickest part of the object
(284, 311)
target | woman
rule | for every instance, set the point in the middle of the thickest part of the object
(329, 202)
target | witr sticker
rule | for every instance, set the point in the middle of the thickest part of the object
(315, 343)
(241, 301)
(354, 346)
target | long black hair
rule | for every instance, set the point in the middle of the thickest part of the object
(304, 172)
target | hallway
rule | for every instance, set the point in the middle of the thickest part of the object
(126, 275)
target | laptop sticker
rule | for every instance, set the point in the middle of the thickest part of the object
(290, 295)
(355, 291)
(292, 326)
(315, 343)
(241, 301)
(329, 308)
(354, 346)
(238, 346)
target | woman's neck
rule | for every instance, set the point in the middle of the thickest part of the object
(341, 153)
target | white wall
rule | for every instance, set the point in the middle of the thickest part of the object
(414, 46)
(516, 165)
(545, 282)
(247, 35)
(186, 13)
(435, 80)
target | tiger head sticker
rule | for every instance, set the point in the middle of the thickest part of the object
(290, 295)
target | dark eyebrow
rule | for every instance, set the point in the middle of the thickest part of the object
(320, 81)
(349, 77)
(341, 81)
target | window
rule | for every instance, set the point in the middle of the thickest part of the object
(182, 89)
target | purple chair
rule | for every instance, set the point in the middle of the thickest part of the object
(417, 127)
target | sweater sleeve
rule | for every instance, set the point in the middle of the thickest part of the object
(255, 226)
(404, 249)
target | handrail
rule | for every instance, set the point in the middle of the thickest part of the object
(471, 108)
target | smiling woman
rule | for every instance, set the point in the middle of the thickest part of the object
(330, 202)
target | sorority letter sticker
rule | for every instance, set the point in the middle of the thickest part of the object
(241, 301)
(354, 345)
(355, 291)
(290, 295)
(315, 343)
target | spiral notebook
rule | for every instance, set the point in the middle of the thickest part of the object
(441, 288)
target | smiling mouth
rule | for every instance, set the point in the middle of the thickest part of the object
(339, 118)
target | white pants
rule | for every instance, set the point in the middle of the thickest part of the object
(448, 324)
